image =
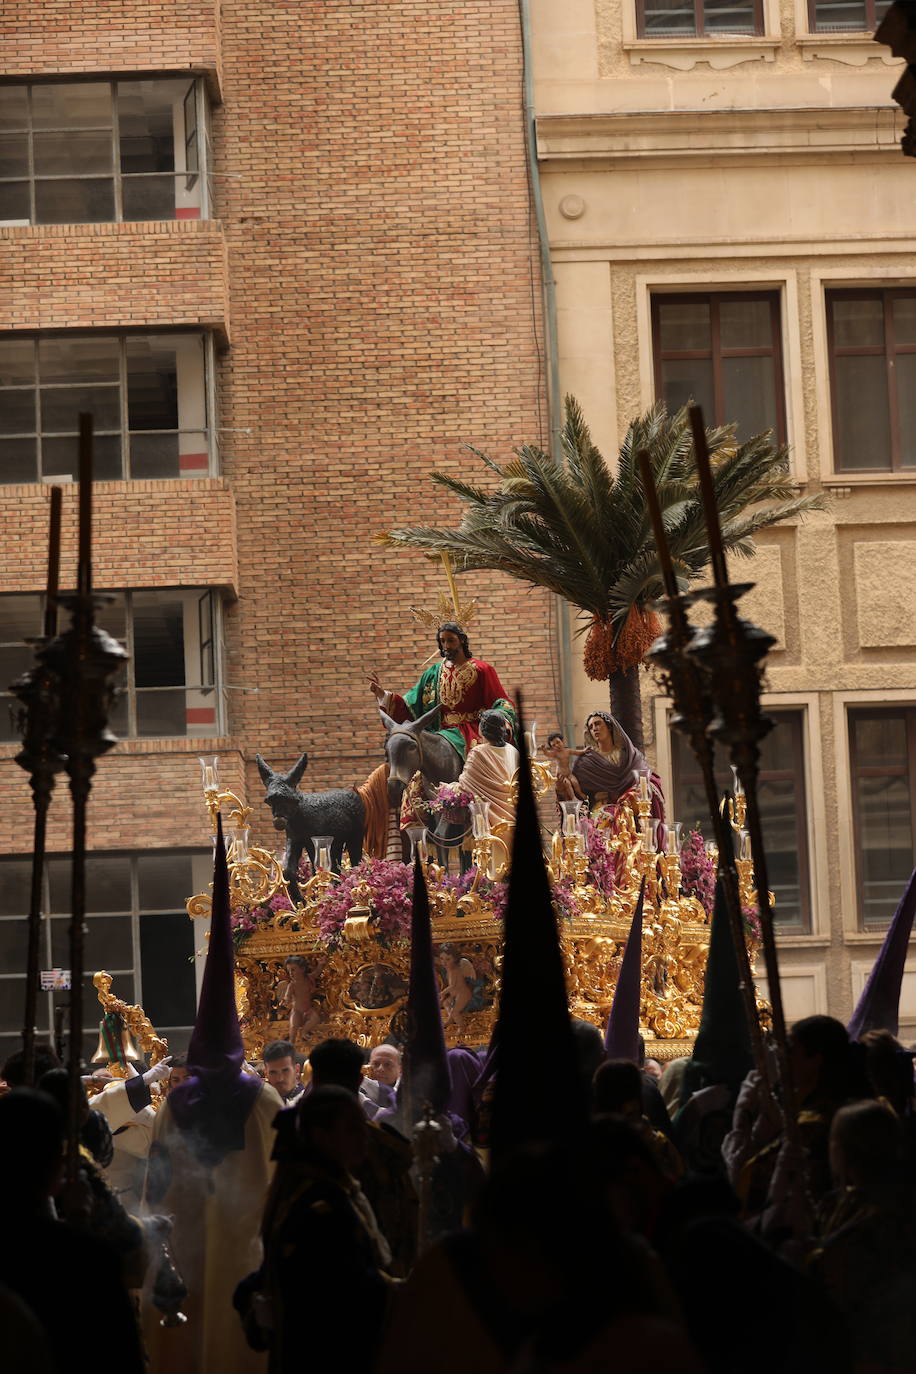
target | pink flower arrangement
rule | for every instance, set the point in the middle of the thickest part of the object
(602, 861)
(392, 898)
(245, 920)
(751, 917)
(449, 797)
(698, 876)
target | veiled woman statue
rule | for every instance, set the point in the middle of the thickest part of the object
(607, 768)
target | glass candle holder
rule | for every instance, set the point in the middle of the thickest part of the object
(480, 819)
(322, 851)
(416, 834)
(571, 811)
(209, 773)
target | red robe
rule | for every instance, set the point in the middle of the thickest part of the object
(463, 692)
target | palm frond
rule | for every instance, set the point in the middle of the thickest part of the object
(583, 531)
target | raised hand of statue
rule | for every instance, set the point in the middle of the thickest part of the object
(376, 687)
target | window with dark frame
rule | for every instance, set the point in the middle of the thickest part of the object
(168, 687)
(698, 18)
(137, 929)
(93, 152)
(783, 810)
(722, 351)
(882, 755)
(846, 16)
(871, 338)
(147, 394)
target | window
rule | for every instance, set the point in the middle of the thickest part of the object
(137, 930)
(871, 336)
(90, 152)
(882, 752)
(783, 811)
(168, 686)
(147, 394)
(723, 352)
(698, 18)
(846, 16)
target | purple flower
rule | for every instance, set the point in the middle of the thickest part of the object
(449, 797)
(698, 876)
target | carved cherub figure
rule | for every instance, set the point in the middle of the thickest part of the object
(298, 993)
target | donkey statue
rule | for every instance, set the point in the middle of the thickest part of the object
(412, 747)
(339, 813)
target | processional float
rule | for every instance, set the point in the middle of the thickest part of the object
(346, 926)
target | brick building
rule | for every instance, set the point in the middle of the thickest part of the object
(285, 255)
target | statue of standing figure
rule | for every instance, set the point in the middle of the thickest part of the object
(491, 774)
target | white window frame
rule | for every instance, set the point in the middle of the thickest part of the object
(203, 173)
(201, 871)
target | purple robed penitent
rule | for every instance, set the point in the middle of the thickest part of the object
(879, 1006)
(533, 1007)
(621, 1039)
(425, 1073)
(211, 1108)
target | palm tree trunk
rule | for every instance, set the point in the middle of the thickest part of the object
(626, 703)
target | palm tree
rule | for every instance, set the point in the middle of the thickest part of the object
(584, 532)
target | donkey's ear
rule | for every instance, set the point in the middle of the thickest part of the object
(387, 721)
(294, 776)
(425, 722)
(265, 770)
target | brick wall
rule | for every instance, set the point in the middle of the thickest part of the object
(57, 38)
(63, 276)
(144, 795)
(383, 283)
(146, 534)
(393, 210)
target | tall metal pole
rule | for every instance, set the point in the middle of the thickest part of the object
(80, 767)
(733, 650)
(84, 659)
(44, 765)
(693, 714)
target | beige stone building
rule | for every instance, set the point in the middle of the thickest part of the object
(730, 218)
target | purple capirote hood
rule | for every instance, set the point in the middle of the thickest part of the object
(214, 1104)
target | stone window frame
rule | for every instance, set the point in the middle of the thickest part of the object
(872, 21)
(855, 932)
(843, 278)
(198, 141)
(815, 930)
(198, 395)
(128, 980)
(204, 708)
(719, 52)
(726, 280)
(715, 353)
(889, 351)
(699, 31)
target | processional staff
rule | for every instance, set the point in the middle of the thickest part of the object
(84, 659)
(728, 656)
(689, 686)
(38, 691)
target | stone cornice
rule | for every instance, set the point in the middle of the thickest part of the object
(676, 135)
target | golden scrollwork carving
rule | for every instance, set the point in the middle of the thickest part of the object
(361, 979)
(136, 1023)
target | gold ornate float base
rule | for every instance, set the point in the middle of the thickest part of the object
(355, 984)
(361, 984)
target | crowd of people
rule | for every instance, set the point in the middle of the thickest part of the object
(552, 1203)
(680, 1229)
